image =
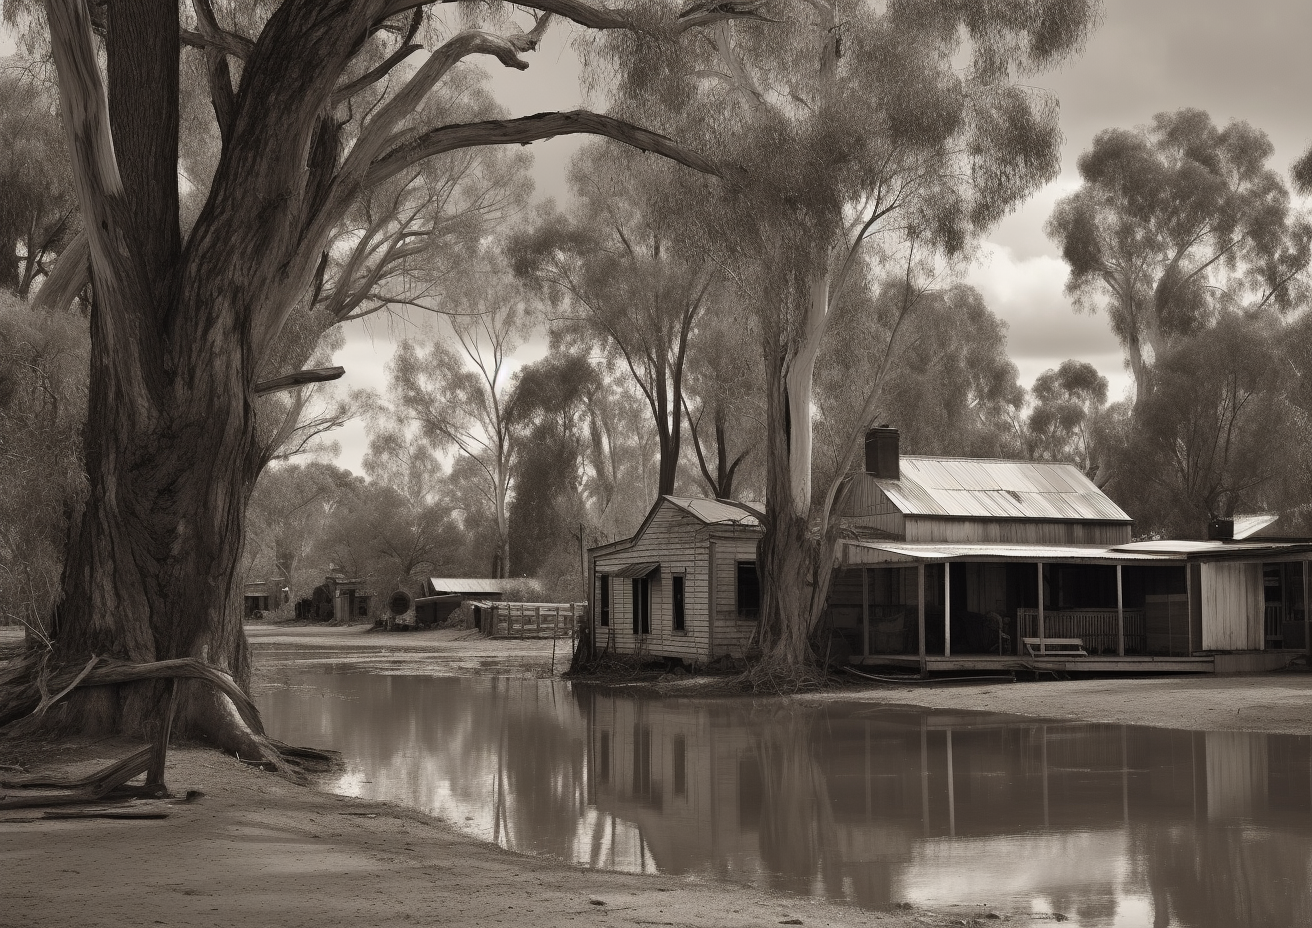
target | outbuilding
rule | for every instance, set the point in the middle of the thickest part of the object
(684, 586)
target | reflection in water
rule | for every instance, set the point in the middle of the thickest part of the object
(1110, 825)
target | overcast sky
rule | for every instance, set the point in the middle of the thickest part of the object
(1236, 60)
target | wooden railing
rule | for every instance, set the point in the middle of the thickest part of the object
(1095, 627)
(1273, 621)
(529, 620)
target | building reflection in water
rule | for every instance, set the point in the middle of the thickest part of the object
(1110, 825)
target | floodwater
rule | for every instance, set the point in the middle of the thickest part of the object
(1109, 825)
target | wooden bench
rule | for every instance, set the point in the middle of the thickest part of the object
(1062, 647)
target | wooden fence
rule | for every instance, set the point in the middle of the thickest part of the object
(527, 620)
(1095, 627)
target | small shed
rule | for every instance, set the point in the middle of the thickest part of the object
(441, 596)
(264, 595)
(685, 585)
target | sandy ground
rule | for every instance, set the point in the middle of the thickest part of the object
(256, 850)
(1272, 702)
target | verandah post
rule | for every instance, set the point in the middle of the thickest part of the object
(1120, 615)
(947, 612)
(1043, 644)
(920, 603)
(865, 611)
(1307, 620)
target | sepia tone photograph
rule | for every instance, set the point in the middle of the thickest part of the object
(703, 463)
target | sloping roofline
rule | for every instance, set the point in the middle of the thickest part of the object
(728, 512)
(933, 486)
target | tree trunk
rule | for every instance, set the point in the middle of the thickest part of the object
(171, 457)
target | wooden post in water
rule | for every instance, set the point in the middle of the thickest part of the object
(1043, 646)
(537, 615)
(947, 611)
(1120, 614)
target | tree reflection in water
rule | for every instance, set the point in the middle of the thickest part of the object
(868, 805)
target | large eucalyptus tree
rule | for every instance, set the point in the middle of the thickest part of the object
(187, 316)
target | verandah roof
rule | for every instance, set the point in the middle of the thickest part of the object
(857, 553)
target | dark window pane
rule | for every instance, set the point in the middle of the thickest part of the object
(677, 596)
(603, 607)
(749, 590)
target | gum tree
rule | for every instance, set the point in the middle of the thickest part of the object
(1174, 222)
(186, 315)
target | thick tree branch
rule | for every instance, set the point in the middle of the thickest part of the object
(585, 15)
(86, 119)
(222, 94)
(528, 129)
(375, 74)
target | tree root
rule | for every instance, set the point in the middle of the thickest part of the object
(25, 698)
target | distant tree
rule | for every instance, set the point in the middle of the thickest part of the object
(377, 533)
(288, 511)
(458, 393)
(38, 209)
(953, 389)
(1062, 424)
(43, 401)
(1175, 222)
(618, 274)
(1216, 433)
(724, 395)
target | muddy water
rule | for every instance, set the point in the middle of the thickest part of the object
(1108, 825)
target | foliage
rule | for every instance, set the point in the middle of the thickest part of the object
(1216, 435)
(38, 214)
(620, 275)
(43, 393)
(1176, 222)
(1063, 422)
(457, 395)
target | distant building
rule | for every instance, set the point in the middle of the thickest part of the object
(441, 596)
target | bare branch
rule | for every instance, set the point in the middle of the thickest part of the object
(527, 129)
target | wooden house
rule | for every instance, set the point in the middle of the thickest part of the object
(956, 563)
(685, 585)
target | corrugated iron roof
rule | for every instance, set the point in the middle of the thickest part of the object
(993, 489)
(475, 585)
(717, 511)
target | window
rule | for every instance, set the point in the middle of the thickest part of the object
(641, 606)
(603, 607)
(748, 590)
(676, 600)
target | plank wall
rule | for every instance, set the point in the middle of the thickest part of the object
(966, 531)
(1231, 597)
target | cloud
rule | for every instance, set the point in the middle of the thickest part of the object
(1042, 328)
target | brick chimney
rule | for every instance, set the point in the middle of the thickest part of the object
(882, 453)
